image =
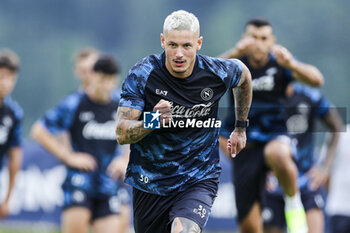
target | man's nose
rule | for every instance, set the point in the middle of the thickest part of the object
(179, 53)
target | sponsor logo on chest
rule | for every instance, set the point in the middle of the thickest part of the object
(96, 130)
(266, 82)
(5, 126)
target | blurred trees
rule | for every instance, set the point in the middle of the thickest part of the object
(46, 34)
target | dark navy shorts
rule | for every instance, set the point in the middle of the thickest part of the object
(339, 224)
(100, 206)
(273, 205)
(155, 213)
(249, 174)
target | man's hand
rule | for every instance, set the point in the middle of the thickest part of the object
(164, 107)
(283, 56)
(318, 177)
(4, 209)
(237, 141)
(243, 46)
(117, 168)
(81, 161)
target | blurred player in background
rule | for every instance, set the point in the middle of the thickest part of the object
(11, 115)
(95, 164)
(84, 61)
(175, 171)
(272, 67)
(338, 204)
(304, 105)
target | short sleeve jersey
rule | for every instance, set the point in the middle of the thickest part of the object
(266, 115)
(305, 106)
(11, 115)
(170, 159)
(92, 130)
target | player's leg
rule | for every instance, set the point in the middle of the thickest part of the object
(278, 155)
(109, 215)
(252, 222)
(107, 224)
(273, 212)
(151, 212)
(314, 203)
(125, 215)
(184, 225)
(339, 224)
(76, 215)
(191, 208)
(315, 220)
(75, 220)
(249, 173)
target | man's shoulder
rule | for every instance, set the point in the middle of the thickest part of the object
(311, 93)
(146, 65)
(14, 106)
(72, 100)
(220, 66)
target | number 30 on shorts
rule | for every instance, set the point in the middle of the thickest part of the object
(144, 179)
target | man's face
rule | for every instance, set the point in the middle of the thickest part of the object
(263, 41)
(180, 51)
(102, 85)
(83, 69)
(8, 80)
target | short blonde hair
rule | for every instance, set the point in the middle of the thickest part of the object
(181, 20)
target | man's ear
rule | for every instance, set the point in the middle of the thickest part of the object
(200, 42)
(162, 40)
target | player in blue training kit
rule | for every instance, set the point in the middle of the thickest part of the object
(269, 147)
(90, 188)
(11, 115)
(174, 169)
(304, 105)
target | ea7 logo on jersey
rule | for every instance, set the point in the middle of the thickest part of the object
(151, 120)
(161, 92)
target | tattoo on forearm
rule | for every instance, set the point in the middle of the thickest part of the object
(243, 98)
(129, 129)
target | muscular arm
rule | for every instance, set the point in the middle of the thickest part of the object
(231, 53)
(243, 94)
(334, 124)
(129, 129)
(302, 72)
(15, 161)
(241, 48)
(47, 140)
(306, 73)
(61, 150)
(243, 97)
(320, 173)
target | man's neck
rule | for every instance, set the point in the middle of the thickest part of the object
(98, 99)
(258, 63)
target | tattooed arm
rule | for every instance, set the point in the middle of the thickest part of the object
(243, 98)
(130, 130)
(243, 94)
